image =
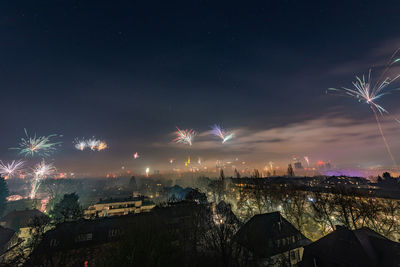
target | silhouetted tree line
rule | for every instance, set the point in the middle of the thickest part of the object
(317, 213)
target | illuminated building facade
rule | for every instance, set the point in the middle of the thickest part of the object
(116, 207)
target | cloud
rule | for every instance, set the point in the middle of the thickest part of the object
(338, 139)
(376, 58)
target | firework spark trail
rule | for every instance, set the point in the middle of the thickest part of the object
(383, 137)
(40, 171)
(185, 136)
(307, 160)
(41, 146)
(10, 169)
(217, 131)
(365, 90)
(221, 133)
(227, 137)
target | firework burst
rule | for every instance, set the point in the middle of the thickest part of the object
(40, 171)
(80, 144)
(366, 90)
(221, 133)
(185, 136)
(91, 143)
(101, 146)
(136, 155)
(41, 146)
(10, 169)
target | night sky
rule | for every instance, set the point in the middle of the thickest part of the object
(128, 72)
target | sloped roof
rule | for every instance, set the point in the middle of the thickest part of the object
(20, 218)
(5, 235)
(262, 232)
(225, 209)
(361, 247)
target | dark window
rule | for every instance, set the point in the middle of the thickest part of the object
(53, 243)
(298, 255)
(84, 237)
(113, 232)
(292, 255)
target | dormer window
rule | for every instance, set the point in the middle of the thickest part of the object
(84, 237)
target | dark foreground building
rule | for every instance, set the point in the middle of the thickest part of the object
(180, 234)
(19, 219)
(164, 235)
(272, 240)
(8, 239)
(352, 248)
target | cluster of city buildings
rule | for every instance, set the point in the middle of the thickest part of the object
(269, 239)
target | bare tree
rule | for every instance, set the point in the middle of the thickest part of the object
(322, 210)
(294, 207)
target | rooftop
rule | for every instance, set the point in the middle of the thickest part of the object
(20, 218)
(261, 234)
(344, 247)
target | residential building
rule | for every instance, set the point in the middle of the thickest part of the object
(356, 248)
(272, 240)
(85, 242)
(8, 240)
(19, 221)
(119, 206)
(298, 165)
(16, 231)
